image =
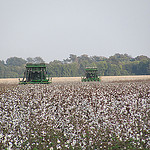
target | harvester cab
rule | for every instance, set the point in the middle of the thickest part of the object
(90, 74)
(35, 74)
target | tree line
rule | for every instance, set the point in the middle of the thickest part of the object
(74, 66)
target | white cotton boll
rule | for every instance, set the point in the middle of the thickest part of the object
(67, 146)
(143, 140)
(1, 135)
(58, 141)
(141, 133)
(65, 134)
(68, 141)
(9, 136)
(73, 143)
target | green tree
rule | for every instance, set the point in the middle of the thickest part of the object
(2, 69)
(143, 67)
(113, 70)
(102, 67)
(15, 61)
(35, 60)
(119, 64)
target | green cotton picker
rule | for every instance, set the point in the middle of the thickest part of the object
(90, 74)
(35, 74)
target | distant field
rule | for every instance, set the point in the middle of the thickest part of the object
(124, 78)
(78, 79)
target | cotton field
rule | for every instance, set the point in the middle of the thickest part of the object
(75, 115)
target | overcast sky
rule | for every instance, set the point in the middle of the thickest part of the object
(53, 29)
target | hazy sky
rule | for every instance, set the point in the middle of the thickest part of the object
(53, 29)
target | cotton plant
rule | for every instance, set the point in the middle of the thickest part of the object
(75, 115)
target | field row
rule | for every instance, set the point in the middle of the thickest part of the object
(76, 115)
(78, 79)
